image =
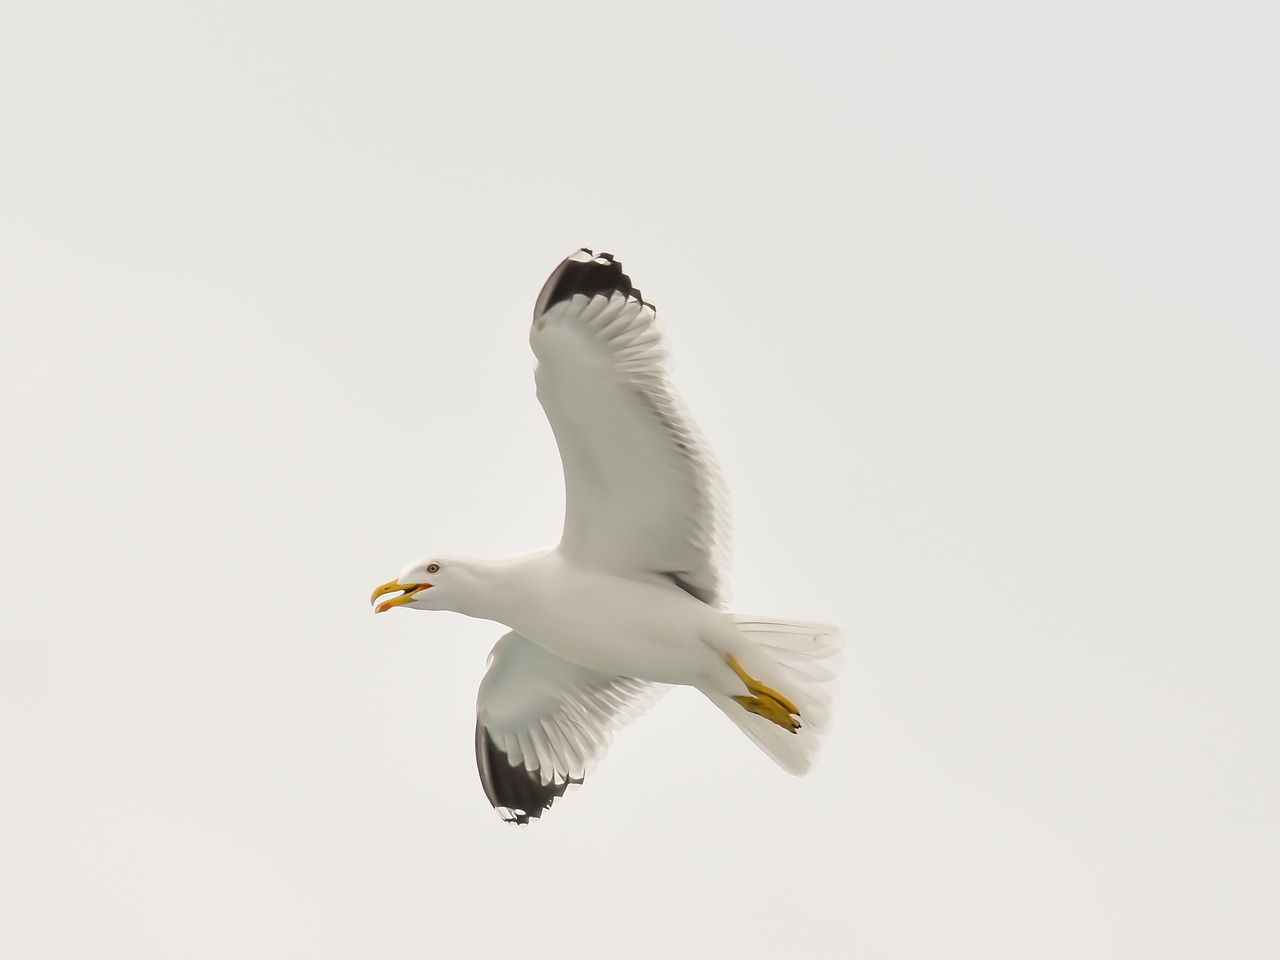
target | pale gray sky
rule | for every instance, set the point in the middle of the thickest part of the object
(977, 304)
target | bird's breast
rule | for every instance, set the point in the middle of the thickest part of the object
(617, 626)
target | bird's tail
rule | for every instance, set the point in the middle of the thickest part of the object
(800, 661)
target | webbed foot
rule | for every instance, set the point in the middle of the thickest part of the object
(765, 701)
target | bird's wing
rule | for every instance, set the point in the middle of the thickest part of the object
(543, 723)
(643, 492)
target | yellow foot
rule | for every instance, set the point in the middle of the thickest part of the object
(770, 710)
(766, 702)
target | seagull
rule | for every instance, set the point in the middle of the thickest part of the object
(631, 601)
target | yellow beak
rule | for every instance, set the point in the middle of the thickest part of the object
(391, 586)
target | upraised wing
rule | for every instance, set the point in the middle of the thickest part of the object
(644, 495)
(543, 723)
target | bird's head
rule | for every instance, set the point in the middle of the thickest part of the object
(432, 583)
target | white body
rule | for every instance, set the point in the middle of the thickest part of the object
(666, 636)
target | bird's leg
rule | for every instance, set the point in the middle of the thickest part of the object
(765, 701)
(759, 689)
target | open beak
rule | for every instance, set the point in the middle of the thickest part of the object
(393, 586)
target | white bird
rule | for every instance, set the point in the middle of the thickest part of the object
(631, 599)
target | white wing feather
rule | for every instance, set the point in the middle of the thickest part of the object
(643, 493)
(543, 723)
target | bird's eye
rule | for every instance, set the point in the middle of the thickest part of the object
(433, 568)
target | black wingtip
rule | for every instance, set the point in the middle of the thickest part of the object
(518, 795)
(586, 273)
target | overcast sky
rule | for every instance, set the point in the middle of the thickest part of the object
(976, 302)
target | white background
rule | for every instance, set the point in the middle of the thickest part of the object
(976, 302)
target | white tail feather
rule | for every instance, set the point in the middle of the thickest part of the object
(799, 659)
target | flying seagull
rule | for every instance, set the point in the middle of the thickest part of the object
(631, 600)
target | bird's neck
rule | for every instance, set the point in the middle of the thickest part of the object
(498, 588)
